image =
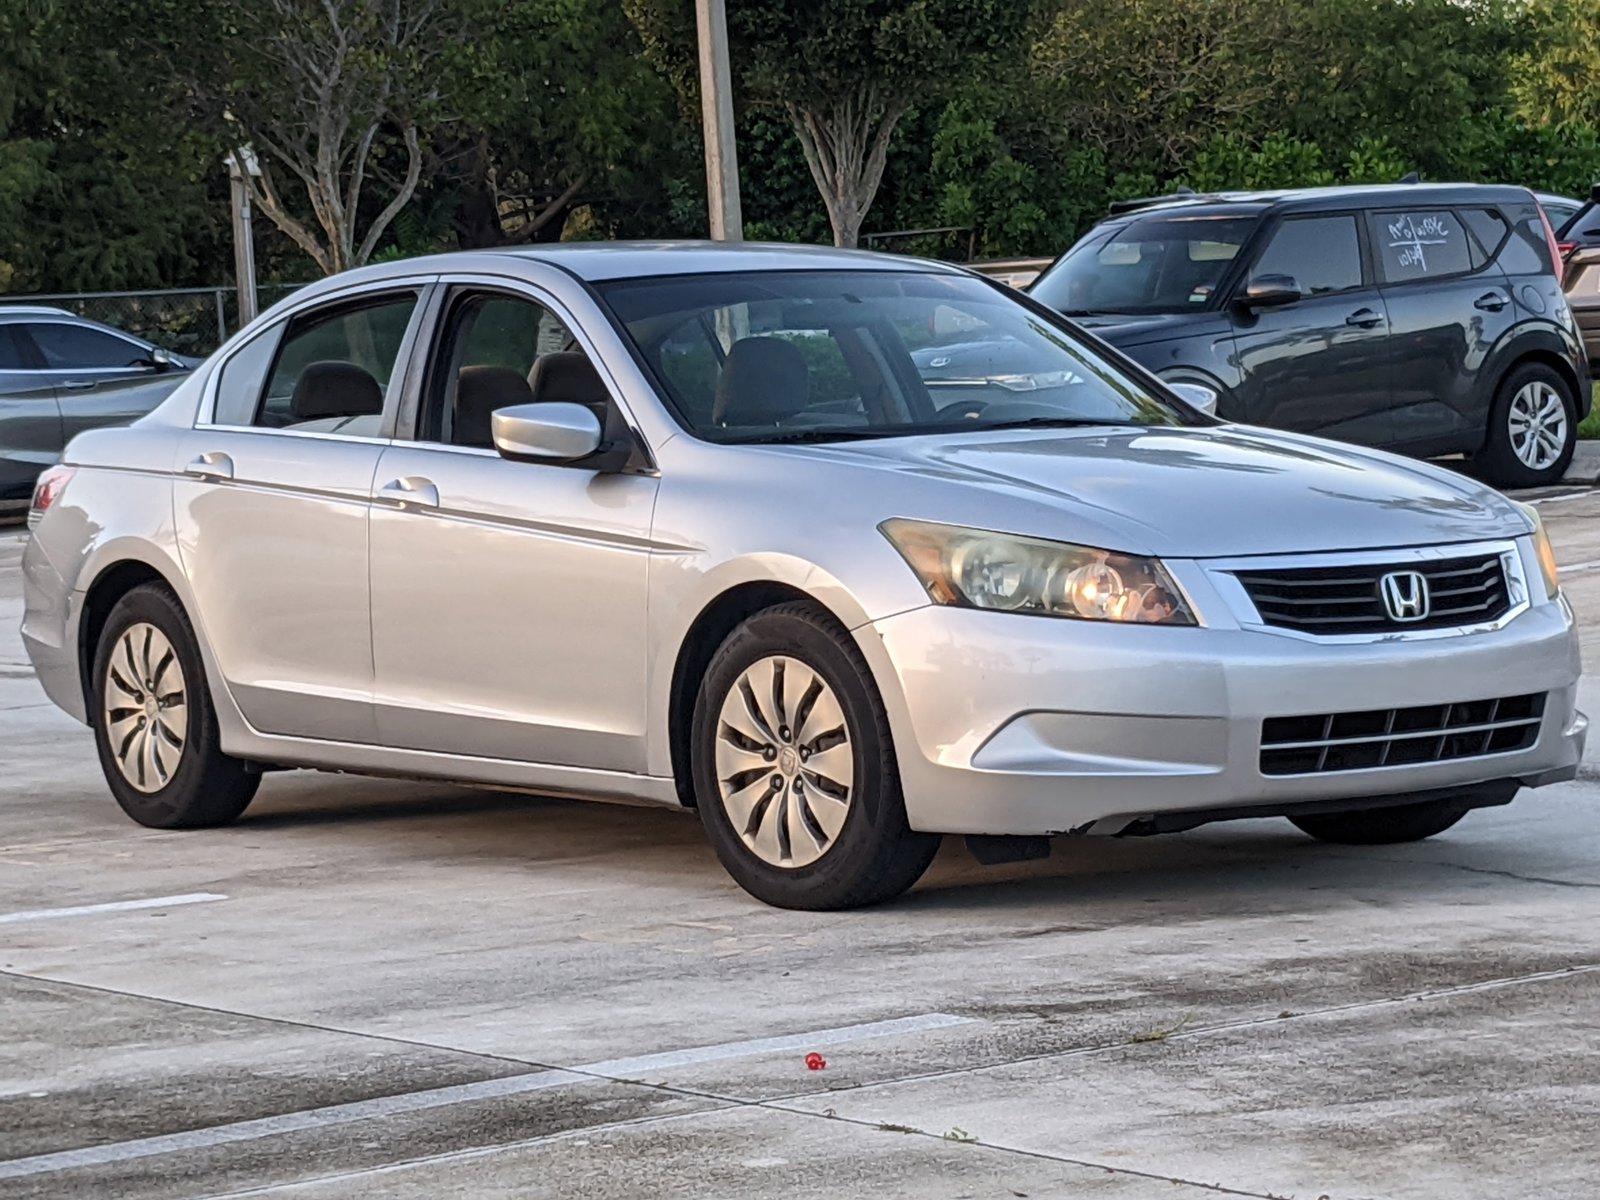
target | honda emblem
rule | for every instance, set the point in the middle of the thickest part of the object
(1405, 595)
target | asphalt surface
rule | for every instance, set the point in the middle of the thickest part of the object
(377, 989)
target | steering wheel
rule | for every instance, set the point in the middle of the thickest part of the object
(963, 409)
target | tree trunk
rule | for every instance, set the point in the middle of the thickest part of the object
(846, 143)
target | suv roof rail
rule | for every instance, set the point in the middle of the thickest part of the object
(1135, 203)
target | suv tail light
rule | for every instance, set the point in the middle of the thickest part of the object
(1565, 248)
(47, 491)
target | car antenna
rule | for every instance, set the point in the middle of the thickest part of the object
(1409, 177)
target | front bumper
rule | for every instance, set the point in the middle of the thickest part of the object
(1007, 724)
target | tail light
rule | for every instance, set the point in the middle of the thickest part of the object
(47, 491)
(1565, 248)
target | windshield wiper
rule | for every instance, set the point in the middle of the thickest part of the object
(1053, 423)
(790, 437)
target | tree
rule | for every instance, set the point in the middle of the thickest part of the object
(334, 97)
(843, 73)
(1555, 82)
(556, 107)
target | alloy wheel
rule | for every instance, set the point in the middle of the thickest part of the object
(1538, 422)
(146, 710)
(785, 763)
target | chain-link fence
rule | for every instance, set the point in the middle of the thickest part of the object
(184, 320)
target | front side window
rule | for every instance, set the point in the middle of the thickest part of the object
(1152, 265)
(67, 347)
(498, 350)
(1321, 254)
(15, 355)
(333, 367)
(832, 355)
(1420, 244)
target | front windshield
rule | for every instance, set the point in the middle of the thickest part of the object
(830, 355)
(1152, 265)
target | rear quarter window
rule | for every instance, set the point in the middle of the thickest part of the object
(1420, 244)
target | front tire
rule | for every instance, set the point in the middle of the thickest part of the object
(1382, 826)
(1533, 428)
(154, 725)
(794, 768)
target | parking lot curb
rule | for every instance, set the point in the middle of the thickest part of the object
(1585, 467)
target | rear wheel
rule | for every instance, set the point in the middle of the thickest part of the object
(1533, 428)
(153, 722)
(1383, 826)
(794, 770)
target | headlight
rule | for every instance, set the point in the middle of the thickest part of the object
(974, 568)
(1545, 552)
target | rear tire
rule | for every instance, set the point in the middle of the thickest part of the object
(809, 817)
(1533, 428)
(1383, 826)
(154, 725)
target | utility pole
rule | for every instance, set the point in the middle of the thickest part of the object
(716, 108)
(244, 247)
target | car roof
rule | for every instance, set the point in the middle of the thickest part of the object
(34, 310)
(1328, 198)
(597, 262)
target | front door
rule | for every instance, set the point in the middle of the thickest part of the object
(30, 421)
(1319, 365)
(508, 598)
(272, 512)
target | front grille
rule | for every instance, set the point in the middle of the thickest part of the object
(1394, 737)
(1335, 600)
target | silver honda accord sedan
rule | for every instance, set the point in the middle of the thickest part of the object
(844, 551)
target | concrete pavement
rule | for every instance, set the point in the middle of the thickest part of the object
(376, 989)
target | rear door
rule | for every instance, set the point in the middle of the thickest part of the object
(1449, 304)
(272, 509)
(1320, 365)
(30, 421)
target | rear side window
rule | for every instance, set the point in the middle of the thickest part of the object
(239, 383)
(78, 347)
(14, 353)
(1489, 230)
(334, 365)
(1321, 254)
(1527, 252)
(1420, 244)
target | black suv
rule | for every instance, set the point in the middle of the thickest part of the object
(1422, 318)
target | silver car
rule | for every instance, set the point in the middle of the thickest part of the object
(717, 527)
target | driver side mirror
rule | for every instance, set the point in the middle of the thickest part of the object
(553, 432)
(160, 360)
(1271, 291)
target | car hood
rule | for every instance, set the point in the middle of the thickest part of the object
(1130, 329)
(1181, 492)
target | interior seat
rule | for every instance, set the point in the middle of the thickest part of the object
(334, 389)
(479, 392)
(764, 381)
(568, 377)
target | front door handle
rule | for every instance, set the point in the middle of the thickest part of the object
(77, 385)
(1490, 302)
(410, 491)
(213, 464)
(1364, 318)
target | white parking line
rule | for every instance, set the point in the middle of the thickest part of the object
(89, 910)
(1574, 568)
(618, 1069)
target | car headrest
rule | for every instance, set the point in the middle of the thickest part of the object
(479, 392)
(334, 389)
(567, 376)
(763, 380)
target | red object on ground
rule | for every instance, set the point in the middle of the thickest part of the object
(815, 1061)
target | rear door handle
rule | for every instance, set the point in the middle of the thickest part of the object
(213, 464)
(1364, 318)
(410, 491)
(1490, 302)
(77, 385)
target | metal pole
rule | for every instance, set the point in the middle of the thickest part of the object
(716, 107)
(244, 250)
(222, 317)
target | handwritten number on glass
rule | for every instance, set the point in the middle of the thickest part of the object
(1408, 235)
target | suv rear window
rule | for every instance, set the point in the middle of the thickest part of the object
(1420, 244)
